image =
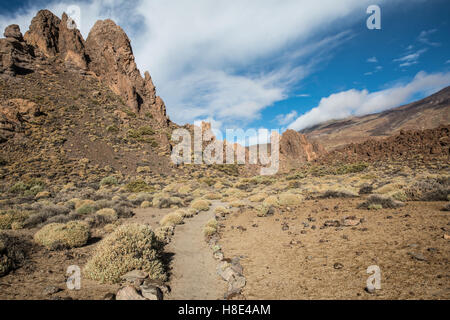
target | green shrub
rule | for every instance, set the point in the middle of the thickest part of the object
(85, 209)
(109, 181)
(129, 247)
(11, 217)
(59, 235)
(201, 205)
(138, 186)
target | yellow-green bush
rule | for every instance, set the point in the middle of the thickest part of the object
(213, 196)
(290, 199)
(258, 197)
(66, 235)
(10, 218)
(108, 213)
(146, 204)
(271, 201)
(171, 219)
(129, 247)
(201, 205)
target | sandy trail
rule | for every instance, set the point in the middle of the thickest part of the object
(193, 268)
(193, 274)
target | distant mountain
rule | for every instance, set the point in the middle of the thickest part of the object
(427, 113)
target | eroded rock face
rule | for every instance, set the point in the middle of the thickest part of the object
(295, 146)
(13, 31)
(71, 43)
(44, 33)
(15, 55)
(111, 58)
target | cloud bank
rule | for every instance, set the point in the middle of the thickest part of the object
(227, 60)
(361, 102)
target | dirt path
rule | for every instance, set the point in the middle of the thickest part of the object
(193, 266)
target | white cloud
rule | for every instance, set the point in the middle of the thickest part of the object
(372, 60)
(284, 119)
(227, 60)
(410, 59)
(361, 102)
(424, 38)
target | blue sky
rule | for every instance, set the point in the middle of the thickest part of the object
(274, 64)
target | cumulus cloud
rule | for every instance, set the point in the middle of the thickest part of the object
(227, 60)
(284, 119)
(361, 102)
(372, 60)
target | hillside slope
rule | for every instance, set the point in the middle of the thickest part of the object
(427, 113)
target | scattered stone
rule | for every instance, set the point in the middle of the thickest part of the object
(418, 256)
(338, 266)
(151, 292)
(350, 222)
(134, 275)
(51, 290)
(109, 296)
(128, 293)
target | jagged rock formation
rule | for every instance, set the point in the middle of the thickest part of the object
(295, 146)
(15, 55)
(107, 52)
(111, 58)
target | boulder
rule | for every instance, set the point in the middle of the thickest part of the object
(13, 31)
(128, 293)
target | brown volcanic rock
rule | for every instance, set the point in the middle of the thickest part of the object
(13, 31)
(44, 33)
(111, 58)
(407, 145)
(295, 146)
(71, 43)
(15, 55)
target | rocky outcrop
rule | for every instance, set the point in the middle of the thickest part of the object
(71, 43)
(13, 31)
(57, 37)
(111, 58)
(44, 33)
(15, 55)
(107, 52)
(13, 114)
(295, 146)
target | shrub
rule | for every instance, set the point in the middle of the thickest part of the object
(271, 201)
(374, 206)
(258, 197)
(265, 211)
(138, 186)
(10, 217)
(201, 205)
(290, 199)
(429, 190)
(45, 212)
(109, 181)
(59, 235)
(129, 247)
(221, 210)
(108, 213)
(384, 201)
(213, 196)
(171, 219)
(146, 204)
(13, 252)
(339, 193)
(85, 209)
